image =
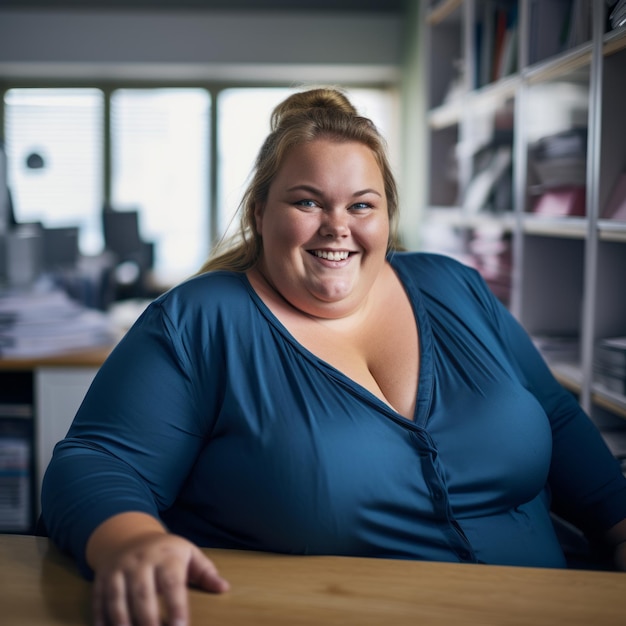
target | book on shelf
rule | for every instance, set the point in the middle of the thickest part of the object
(617, 16)
(612, 352)
(558, 25)
(560, 159)
(495, 167)
(507, 62)
(15, 474)
(495, 42)
(615, 208)
(610, 364)
(486, 43)
(491, 253)
(579, 25)
(501, 28)
(561, 202)
(558, 348)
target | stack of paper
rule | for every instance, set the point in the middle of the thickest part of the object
(15, 463)
(559, 164)
(610, 364)
(43, 323)
(558, 349)
(560, 160)
(615, 208)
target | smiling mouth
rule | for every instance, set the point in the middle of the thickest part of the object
(331, 255)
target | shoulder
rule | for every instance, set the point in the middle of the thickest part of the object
(430, 269)
(202, 313)
(446, 282)
(206, 296)
(211, 287)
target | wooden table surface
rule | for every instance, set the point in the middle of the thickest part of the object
(41, 587)
(72, 358)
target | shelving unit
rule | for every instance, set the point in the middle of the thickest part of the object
(38, 400)
(522, 165)
(17, 463)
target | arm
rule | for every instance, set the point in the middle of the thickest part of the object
(135, 437)
(586, 481)
(131, 446)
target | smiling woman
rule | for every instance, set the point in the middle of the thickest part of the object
(316, 391)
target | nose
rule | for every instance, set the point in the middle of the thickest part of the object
(335, 223)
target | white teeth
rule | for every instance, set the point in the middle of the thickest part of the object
(331, 256)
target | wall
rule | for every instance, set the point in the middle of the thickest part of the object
(192, 45)
(187, 45)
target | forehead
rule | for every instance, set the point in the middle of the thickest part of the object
(330, 157)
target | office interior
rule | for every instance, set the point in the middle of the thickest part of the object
(52, 271)
(407, 50)
(210, 45)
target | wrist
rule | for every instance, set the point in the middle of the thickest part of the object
(117, 532)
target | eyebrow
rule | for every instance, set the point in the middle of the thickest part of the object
(316, 191)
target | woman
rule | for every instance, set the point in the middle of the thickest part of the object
(312, 391)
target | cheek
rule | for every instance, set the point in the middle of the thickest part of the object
(376, 232)
(293, 229)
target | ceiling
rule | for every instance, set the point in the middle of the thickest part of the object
(376, 6)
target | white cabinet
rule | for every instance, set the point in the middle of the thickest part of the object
(59, 392)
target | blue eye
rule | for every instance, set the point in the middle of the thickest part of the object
(306, 203)
(361, 205)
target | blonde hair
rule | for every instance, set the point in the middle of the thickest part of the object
(301, 118)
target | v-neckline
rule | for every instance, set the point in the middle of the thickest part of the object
(425, 373)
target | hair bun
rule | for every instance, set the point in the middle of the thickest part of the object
(303, 101)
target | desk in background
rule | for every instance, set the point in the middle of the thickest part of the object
(38, 400)
(41, 587)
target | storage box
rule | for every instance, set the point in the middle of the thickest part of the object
(15, 485)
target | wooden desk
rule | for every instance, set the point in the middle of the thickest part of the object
(73, 358)
(40, 587)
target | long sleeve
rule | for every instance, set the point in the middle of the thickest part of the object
(134, 439)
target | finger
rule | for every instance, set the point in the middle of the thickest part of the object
(204, 575)
(112, 600)
(142, 597)
(97, 605)
(172, 585)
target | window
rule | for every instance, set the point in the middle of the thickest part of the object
(160, 166)
(160, 147)
(243, 124)
(55, 171)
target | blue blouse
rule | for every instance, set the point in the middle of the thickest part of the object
(212, 416)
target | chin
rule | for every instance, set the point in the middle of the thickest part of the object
(330, 308)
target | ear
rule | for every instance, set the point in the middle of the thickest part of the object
(258, 217)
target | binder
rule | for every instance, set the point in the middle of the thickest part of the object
(16, 469)
(561, 202)
(615, 208)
